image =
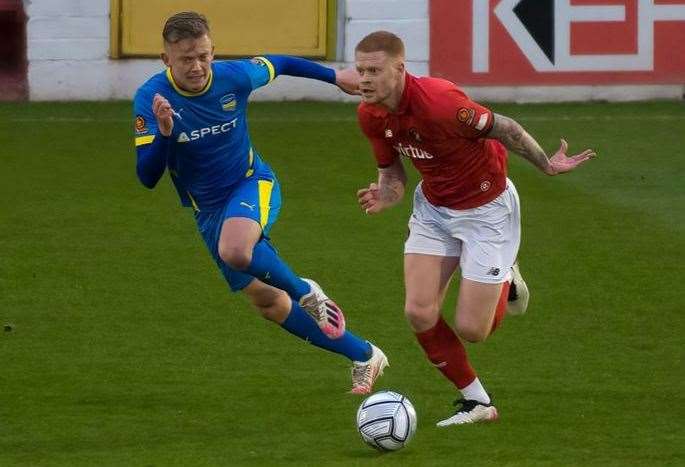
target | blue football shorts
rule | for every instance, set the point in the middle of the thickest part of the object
(257, 197)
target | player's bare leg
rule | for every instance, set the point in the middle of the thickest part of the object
(478, 306)
(426, 279)
(241, 247)
(239, 235)
(272, 303)
(368, 361)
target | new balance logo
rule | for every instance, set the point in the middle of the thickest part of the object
(249, 206)
(493, 272)
(440, 365)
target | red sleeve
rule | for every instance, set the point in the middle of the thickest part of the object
(382, 150)
(384, 153)
(466, 118)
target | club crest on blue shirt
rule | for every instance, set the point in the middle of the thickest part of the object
(140, 125)
(228, 102)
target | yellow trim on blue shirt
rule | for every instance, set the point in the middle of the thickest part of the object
(192, 200)
(140, 140)
(269, 66)
(250, 171)
(265, 187)
(170, 77)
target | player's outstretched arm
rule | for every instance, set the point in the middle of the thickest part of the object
(387, 192)
(346, 79)
(517, 139)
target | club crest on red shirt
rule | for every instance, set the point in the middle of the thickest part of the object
(465, 115)
(415, 133)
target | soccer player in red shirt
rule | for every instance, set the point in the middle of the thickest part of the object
(466, 211)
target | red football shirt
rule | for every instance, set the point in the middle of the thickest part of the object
(443, 132)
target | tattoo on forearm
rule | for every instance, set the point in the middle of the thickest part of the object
(516, 139)
(391, 183)
(390, 191)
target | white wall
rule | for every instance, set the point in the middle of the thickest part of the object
(68, 53)
(68, 47)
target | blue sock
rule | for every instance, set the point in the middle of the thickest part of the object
(303, 326)
(268, 267)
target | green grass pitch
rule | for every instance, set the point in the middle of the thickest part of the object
(127, 348)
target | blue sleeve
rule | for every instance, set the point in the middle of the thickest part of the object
(295, 66)
(263, 70)
(152, 148)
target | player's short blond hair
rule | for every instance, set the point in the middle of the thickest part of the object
(382, 41)
(185, 25)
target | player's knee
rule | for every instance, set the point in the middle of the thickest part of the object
(237, 258)
(472, 331)
(420, 317)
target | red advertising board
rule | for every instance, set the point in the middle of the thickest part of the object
(583, 42)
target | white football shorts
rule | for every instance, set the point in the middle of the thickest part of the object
(486, 238)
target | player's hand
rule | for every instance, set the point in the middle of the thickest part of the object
(348, 79)
(560, 163)
(369, 199)
(164, 114)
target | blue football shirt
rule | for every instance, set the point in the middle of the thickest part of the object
(209, 147)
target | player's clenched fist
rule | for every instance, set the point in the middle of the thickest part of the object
(164, 114)
(369, 199)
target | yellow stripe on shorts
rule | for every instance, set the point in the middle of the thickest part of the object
(265, 188)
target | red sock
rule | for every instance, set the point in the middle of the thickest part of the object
(444, 349)
(501, 309)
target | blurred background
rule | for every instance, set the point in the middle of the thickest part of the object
(499, 50)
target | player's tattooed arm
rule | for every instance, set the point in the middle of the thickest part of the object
(391, 183)
(515, 138)
(387, 192)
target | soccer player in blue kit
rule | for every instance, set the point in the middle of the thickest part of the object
(191, 120)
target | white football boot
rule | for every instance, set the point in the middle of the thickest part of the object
(325, 312)
(365, 374)
(517, 302)
(470, 411)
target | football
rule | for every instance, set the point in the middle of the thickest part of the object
(386, 420)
